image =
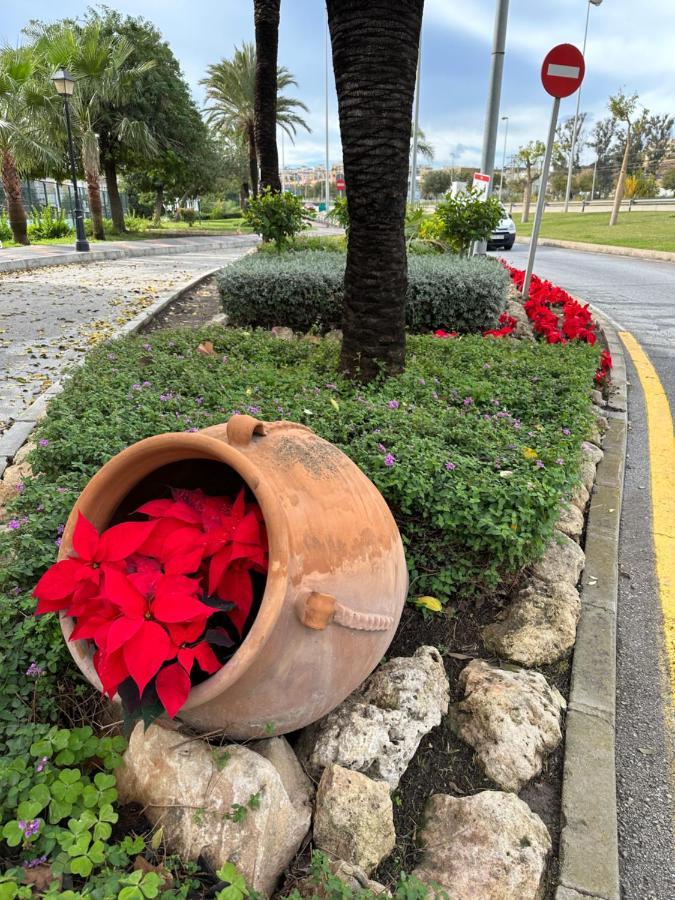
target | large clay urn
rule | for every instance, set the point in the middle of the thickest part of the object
(337, 578)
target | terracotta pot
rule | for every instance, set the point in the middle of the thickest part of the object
(337, 578)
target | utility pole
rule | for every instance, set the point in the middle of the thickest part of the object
(595, 172)
(487, 164)
(416, 127)
(327, 180)
(568, 188)
(506, 134)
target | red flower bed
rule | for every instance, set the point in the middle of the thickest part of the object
(164, 601)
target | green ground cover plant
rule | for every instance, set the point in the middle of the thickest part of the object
(304, 290)
(643, 230)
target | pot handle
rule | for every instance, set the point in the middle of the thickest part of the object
(317, 611)
(240, 430)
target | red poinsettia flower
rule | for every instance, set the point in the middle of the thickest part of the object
(440, 333)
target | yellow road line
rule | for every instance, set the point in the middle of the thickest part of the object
(662, 466)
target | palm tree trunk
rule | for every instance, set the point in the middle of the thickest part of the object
(527, 195)
(243, 195)
(95, 205)
(618, 195)
(375, 47)
(266, 44)
(11, 183)
(116, 208)
(252, 160)
(159, 205)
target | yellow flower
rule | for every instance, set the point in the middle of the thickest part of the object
(334, 403)
(529, 453)
(433, 604)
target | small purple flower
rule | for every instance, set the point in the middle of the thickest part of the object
(199, 401)
(43, 442)
(147, 346)
(190, 430)
(422, 381)
(389, 460)
(135, 387)
(20, 487)
(539, 463)
(147, 384)
(450, 465)
(468, 401)
(393, 404)
(566, 431)
(29, 828)
(487, 366)
(254, 410)
(33, 863)
(112, 356)
(34, 670)
(331, 386)
(41, 764)
(14, 524)
(62, 490)
(560, 461)
(381, 448)
(517, 423)
(60, 529)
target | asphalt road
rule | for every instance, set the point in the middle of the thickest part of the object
(638, 296)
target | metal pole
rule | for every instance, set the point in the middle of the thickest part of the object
(283, 164)
(501, 180)
(327, 182)
(487, 164)
(81, 242)
(541, 199)
(413, 168)
(568, 188)
(595, 169)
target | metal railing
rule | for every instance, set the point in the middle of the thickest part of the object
(39, 194)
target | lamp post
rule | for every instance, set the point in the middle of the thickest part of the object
(416, 127)
(568, 188)
(65, 85)
(506, 134)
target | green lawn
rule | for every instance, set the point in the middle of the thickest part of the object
(644, 230)
(210, 228)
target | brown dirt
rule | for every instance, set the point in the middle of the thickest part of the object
(192, 310)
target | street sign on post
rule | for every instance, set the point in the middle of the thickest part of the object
(481, 183)
(340, 184)
(561, 74)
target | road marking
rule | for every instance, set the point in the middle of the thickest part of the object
(563, 71)
(662, 467)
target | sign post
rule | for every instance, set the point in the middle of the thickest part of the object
(561, 74)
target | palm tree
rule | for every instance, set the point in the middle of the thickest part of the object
(375, 47)
(25, 98)
(266, 45)
(100, 64)
(230, 90)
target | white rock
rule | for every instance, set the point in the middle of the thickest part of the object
(563, 561)
(490, 846)
(580, 497)
(590, 451)
(510, 718)
(283, 333)
(523, 329)
(190, 788)
(571, 521)
(335, 334)
(378, 729)
(590, 457)
(354, 818)
(597, 398)
(539, 626)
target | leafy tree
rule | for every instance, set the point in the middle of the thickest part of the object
(468, 217)
(375, 48)
(436, 182)
(564, 137)
(275, 216)
(530, 156)
(624, 110)
(658, 133)
(266, 15)
(230, 90)
(601, 140)
(668, 180)
(640, 186)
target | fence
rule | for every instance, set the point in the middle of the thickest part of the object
(38, 194)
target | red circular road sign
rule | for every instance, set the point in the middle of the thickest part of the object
(340, 184)
(563, 70)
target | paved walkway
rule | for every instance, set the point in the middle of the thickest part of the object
(50, 317)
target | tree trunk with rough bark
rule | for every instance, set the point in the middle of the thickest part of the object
(116, 208)
(244, 194)
(375, 48)
(252, 160)
(266, 45)
(159, 205)
(527, 196)
(16, 212)
(95, 205)
(620, 185)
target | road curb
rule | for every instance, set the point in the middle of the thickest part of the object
(22, 427)
(589, 852)
(636, 252)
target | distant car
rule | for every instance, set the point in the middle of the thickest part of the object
(504, 235)
(310, 207)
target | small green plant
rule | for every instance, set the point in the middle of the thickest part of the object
(275, 216)
(48, 224)
(235, 882)
(468, 217)
(187, 215)
(136, 224)
(5, 230)
(339, 214)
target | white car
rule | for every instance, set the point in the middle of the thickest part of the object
(504, 235)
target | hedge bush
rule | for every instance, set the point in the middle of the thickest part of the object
(304, 290)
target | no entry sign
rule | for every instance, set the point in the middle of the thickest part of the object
(340, 184)
(563, 70)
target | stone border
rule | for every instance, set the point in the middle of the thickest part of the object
(589, 853)
(610, 249)
(20, 430)
(97, 255)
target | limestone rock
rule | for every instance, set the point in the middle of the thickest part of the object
(13, 476)
(563, 561)
(539, 627)
(296, 783)
(22, 453)
(590, 457)
(190, 788)
(335, 334)
(354, 818)
(354, 877)
(510, 718)
(597, 398)
(283, 333)
(601, 419)
(590, 451)
(580, 497)
(378, 729)
(523, 329)
(490, 846)
(571, 521)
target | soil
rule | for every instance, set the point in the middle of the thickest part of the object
(443, 763)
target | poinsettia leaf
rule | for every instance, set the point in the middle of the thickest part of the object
(121, 631)
(183, 551)
(119, 590)
(219, 563)
(173, 686)
(174, 509)
(145, 652)
(57, 583)
(186, 658)
(121, 541)
(218, 637)
(186, 632)
(216, 603)
(175, 601)
(112, 671)
(206, 658)
(248, 530)
(85, 538)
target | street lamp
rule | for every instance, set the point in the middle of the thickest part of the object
(576, 114)
(65, 85)
(506, 134)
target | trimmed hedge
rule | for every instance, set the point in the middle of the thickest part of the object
(304, 290)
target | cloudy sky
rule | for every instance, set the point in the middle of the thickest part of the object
(630, 46)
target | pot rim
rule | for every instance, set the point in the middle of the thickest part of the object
(110, 481)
